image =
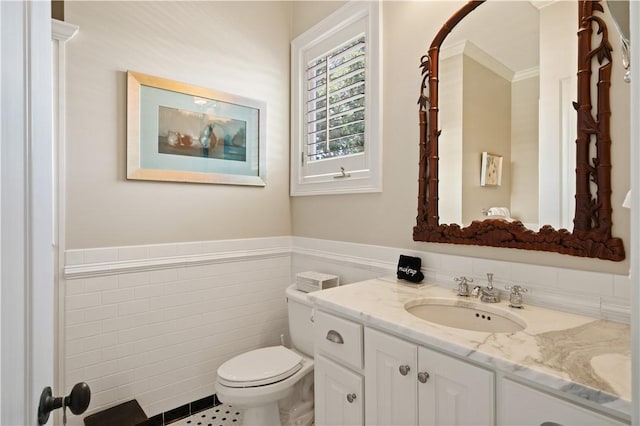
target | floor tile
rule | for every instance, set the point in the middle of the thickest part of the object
(221, 415)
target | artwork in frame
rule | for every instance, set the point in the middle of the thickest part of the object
(182, 133)
(491, 170)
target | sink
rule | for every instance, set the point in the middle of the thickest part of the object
(467, 315)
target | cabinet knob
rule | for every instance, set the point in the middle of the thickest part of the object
(423, 376)
(404, 369)
(351, 397)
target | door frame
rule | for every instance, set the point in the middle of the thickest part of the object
(26, 215)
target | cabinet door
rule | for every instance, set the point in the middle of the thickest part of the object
(522, 405)
(338, 394)
(390, 385)
(455, 392)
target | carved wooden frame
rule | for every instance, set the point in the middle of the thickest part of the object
(591, 236)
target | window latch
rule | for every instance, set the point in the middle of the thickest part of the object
(342, 174)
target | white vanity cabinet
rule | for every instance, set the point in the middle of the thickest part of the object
(409, 384)
(522, 405)
(365, 376)
(455, 393)
(338, 388)
(391, 390)
(338, 394)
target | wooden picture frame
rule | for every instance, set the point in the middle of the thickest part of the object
(491, 170)
(178, 132)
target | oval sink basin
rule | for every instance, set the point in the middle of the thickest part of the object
(466, 315)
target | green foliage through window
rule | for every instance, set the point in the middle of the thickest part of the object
(336, 88)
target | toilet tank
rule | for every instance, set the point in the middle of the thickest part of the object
(300, 325)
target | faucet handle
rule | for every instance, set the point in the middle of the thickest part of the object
(516, 289)
(463, 285)
(515, 296)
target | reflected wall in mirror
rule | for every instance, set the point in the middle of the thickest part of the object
(506, 86)
(619, 10)
(502, 90)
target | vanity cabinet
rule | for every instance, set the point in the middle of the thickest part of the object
(391, 387)
(523, 405)
(338, 394)
(409, 384)
(339, 384)
(455, 393)
(365, 376)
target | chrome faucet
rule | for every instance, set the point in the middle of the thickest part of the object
(487, 294)
(463, 285)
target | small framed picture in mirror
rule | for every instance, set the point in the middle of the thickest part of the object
(491, 170)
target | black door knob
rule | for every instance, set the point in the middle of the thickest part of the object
(77, 401)
(79, 398)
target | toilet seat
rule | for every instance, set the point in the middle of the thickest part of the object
(259, 367)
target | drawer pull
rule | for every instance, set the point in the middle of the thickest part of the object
(404, 369)
(351, 397)
(335, 337)
(423, 377)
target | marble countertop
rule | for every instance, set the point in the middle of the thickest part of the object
(585, 357)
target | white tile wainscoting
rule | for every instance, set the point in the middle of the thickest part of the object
(154, 322)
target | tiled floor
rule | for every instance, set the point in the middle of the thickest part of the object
(221, 415)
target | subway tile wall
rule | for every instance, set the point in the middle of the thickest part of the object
(593, 294)
(159, 336)
(154, 322)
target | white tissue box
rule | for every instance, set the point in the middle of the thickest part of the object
(313, 281)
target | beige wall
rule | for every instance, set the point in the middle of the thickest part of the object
(487, 127)
(558, 59)
(387, 218)
(243, 48)
(235, 47)
(524, 149)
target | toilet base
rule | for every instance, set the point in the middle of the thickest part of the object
(262, 415)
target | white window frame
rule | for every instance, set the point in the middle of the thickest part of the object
(368, 176)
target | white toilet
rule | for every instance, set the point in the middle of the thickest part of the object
(255, 381)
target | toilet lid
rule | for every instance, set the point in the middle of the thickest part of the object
(259, 367)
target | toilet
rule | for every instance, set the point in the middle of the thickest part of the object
(256, 380)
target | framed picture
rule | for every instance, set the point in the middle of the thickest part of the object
(491, 170)
(182, 133)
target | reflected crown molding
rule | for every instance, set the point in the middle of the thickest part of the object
(472, 51)
(526, 74)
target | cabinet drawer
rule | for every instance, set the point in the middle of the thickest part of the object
(522, 405)
(339, 338)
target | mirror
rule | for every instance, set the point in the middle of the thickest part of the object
(501, 69)
(473, 150)
(619, 10)
(524, 68)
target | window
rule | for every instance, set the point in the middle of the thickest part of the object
(336, 104)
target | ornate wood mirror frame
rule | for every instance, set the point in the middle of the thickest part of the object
(591, 236)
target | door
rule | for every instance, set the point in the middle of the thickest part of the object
(26, 251)
(391, 380)
(338, 394)
(454, 392)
